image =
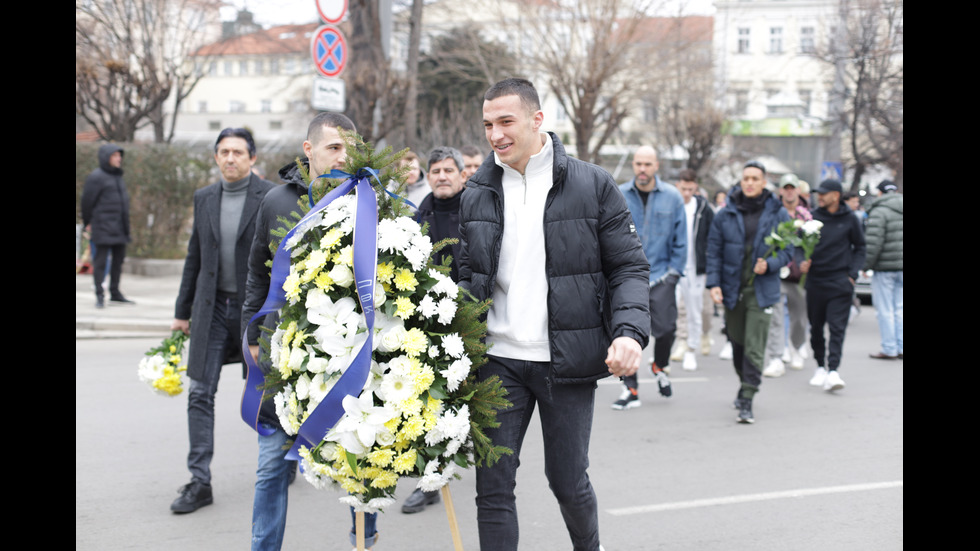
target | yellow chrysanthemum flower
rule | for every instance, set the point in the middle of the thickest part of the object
(175, 359)
(323, 281)
(405, 462)
(330, 239)
(173, 349)
(415, 341)
(386, 479)
(410, 408)
(371, 472)
(393, 424)
(386, 271)
(405, 307)
(405, 280)
(424, 379)
(381, 458)
(412, 428)
(352, 486)
(291, 286)
(344, 256)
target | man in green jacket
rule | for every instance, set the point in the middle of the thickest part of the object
(884, 238)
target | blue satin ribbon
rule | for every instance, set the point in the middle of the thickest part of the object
(365, 266)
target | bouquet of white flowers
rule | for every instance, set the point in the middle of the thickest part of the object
(420, 411)
(161, 368)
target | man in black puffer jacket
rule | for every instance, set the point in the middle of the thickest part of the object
(549, 238)
(105, 214)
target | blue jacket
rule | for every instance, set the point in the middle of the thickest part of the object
(661, 225)
(726, 250)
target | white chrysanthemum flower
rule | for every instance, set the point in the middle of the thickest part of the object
(433, 351)
(428, 307)
(447, 287)
(456, 373)
(151, 368)
(275, 345)
(812, 226)
(302, 228)
(416, 257)
(447, 310)
(391, 237)
(432, 480)
(453, 345)
(372, 506)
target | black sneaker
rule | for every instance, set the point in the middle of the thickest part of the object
(418, 500)
(745, 411)
(628, 399)
(99, 301)
(193, 496)
(119, 299)
(663, 383)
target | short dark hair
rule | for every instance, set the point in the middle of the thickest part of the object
(445, 152)
(471, 150)
(519, 87)
(333, 120)
(688, 175)
(237, 133)
(755, 164)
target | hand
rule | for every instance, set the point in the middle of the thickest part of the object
(849, 278)
(716, 295)
(760, 266)
(253, 349)
(805, 266)
(623, 358)
(181, 325)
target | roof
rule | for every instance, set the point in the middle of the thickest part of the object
(281, 39)
(692, 28)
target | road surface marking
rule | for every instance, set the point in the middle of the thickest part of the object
(651, 380)
(730, 500)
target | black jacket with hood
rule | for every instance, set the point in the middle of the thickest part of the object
(105, 202)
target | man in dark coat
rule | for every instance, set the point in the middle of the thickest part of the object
(212, 290)
(744, 278)
(833, 270)
(105, 214)
(549, 238)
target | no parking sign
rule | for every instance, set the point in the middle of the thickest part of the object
(329, 49)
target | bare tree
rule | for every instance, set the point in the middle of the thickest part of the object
(594, 59)
(131, 57)
(870, 51)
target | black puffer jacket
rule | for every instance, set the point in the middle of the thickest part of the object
(597, 273)
(105, 202)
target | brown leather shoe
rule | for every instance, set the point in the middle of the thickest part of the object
(880, 356)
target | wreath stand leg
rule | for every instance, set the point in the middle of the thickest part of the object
(359, 528)
(447, 498)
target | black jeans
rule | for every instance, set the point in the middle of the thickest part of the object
(115, 271)
(566, 425)
(830, 307)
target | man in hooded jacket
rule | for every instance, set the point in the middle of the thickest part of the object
(744, 279)
(105, 214)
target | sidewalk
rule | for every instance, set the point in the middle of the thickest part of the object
(149, 317)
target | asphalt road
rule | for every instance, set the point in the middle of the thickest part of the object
(816, 471)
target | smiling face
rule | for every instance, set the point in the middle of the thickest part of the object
(328, 153)
(512, 131)
(445, 178)
(233, 159)
(753, 181)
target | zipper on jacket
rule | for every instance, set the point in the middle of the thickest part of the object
(524, 181)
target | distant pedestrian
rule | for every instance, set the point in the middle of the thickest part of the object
(833, 271)
(744, 278)
(690, 288)
(885, 256)
(105, 214)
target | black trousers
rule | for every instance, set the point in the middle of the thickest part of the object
(115, 271)
(830, 307)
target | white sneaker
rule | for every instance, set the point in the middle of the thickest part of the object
(819, 377)
(679, 349)
(690, 361)
(796, 359)
(706, 343)
(774, 369)
(726, 352)
(833, 382)
(804, 353)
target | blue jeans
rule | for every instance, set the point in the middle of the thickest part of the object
(370, 528)
(271, 492)
(887, 296)
(200, 398)
(566, 424)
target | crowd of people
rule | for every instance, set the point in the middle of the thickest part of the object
(643, 248)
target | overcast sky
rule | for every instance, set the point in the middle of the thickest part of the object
(281, 12)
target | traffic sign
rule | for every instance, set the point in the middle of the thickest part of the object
(331, 11)
(329, 94)
(832, 171)
(329, 49)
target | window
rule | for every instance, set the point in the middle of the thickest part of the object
(259, 67)
(229, 66)
(243, 68)
(560, 115)
(275, 125)
(235, 106)
(297, 106)
(273, 66)
(741, 102)
(266, 106)
(214, 125)
(775, 40)
(213, 68)
(202, 107)
(806, 96)
(807, 40)
(290, 65)
(743, 40)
